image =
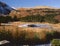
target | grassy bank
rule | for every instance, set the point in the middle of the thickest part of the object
(28, 37)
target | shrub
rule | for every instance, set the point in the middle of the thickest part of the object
(50, 18)
(55, 42)
(5, 19)
(32, 18)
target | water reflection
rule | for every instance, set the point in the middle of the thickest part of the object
(36, 25)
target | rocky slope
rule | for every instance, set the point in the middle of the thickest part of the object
(5, 9)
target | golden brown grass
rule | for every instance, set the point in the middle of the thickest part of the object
(14, 26)
(30, 31)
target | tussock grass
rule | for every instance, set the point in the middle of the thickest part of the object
(28, 35)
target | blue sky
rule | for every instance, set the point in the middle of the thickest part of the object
(32, 3)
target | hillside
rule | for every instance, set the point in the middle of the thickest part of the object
(5, 9)
(35, 14)
(42, 10)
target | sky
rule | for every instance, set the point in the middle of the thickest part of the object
(32, 3)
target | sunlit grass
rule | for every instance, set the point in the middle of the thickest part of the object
(28, 35)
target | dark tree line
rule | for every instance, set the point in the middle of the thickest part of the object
(38, 18)
(6, 19)
(32, 18)
(50, 18)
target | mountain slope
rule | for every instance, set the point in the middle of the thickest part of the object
(4, 8)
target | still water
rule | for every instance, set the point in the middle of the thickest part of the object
(36, 25)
